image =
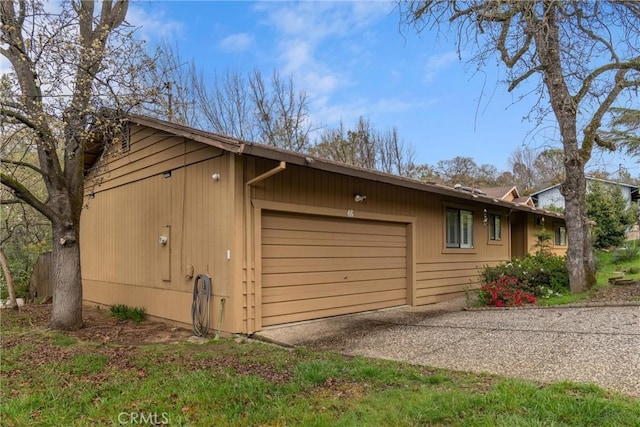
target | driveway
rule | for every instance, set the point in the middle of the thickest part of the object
(598, 345)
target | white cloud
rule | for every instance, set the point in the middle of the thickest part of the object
(330, 114)
(437, 63)
(319, 43)
(237, 42)
(154, 26)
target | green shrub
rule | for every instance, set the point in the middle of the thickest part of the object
(542, 274)
(626, 254)
(124, 312)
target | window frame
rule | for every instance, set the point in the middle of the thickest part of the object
(495, 229)
(559, 235)
(463, 230)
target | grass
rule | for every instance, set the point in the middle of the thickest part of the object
(49, 380)
(124, 312)
(607, 268)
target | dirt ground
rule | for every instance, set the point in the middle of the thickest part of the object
(101, 327)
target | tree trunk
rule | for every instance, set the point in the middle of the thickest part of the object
(66, 277)
(9, 279)
(580, 260)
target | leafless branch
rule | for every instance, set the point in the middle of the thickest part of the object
(21, 192)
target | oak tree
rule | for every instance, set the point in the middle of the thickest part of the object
(71, 68)
(579, 57)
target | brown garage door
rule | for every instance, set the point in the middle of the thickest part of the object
(315, 266)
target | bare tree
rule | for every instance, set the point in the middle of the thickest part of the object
(549, 167)
(368, 148)
(522, 166)
(70, 70)
(281, 113)
(582, 55)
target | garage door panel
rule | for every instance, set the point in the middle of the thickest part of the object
(279, 237)
(336, 311)
(314, 266)
(352, 301)
(345, 276)
(301, 265)
(332, 225)
(303, 292)
(282, 251)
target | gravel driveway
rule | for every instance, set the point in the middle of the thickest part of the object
(598, 345)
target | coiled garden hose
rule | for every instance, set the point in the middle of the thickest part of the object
(200, 305)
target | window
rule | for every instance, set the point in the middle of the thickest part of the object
(495, 227)
(459, 228)
(561, 236)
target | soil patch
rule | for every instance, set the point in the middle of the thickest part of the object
(101, 327)
(617, 294)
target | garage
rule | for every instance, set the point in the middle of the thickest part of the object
(317, 266)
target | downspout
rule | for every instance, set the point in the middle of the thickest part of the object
(249, 268)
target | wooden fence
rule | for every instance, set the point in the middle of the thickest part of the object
(40, 281)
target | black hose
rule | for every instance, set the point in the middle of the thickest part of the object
(200, 305)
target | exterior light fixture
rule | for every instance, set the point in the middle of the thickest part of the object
(359, 198)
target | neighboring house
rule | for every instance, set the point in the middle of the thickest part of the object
(284, 237)
(551, 196)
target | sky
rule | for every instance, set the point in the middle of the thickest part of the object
(353, 58)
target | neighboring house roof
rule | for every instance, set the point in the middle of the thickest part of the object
(509, 194)
(634, 188)
(526, 200)
(504, 193)
(241, 147)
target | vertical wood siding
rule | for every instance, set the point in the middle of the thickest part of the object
(122, 259)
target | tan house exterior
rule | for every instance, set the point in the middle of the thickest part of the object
(283, 236)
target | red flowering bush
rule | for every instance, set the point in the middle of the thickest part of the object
(505, 292)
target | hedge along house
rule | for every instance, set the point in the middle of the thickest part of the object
(283, 236)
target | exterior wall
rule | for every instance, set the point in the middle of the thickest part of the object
(130, 203)
(213, 227)
(437, 273)
(553, 196)
(524, 228)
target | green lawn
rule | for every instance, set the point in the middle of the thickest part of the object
(52, 379)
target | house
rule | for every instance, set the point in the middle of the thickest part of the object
(551, 196)
(283, 236)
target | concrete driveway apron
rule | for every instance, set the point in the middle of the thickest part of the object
(598, 345)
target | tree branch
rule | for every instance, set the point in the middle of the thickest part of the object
(11, 201)
(524, 77)
(21, 192)
(590, 131)
(634, 64)
(22, 119)
(23, 164)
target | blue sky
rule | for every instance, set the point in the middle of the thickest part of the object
(352, 59)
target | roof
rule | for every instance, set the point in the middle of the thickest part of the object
(241, 147)
(501, 192)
